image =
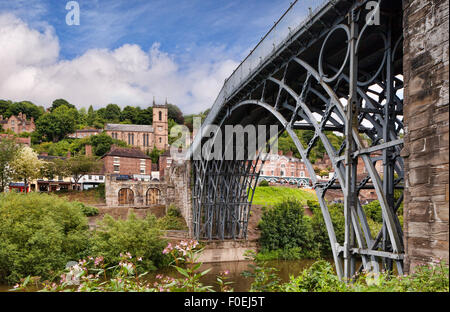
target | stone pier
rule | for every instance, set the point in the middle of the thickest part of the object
(426, 119)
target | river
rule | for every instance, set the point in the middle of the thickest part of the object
(240, 283)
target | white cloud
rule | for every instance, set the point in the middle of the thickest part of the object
(31, 69)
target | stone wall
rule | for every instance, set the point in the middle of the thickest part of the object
(139, 188)
(178, 178)
(426, 117)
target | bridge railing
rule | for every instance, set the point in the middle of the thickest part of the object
(297, 16)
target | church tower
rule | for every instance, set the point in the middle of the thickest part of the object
(160, 126)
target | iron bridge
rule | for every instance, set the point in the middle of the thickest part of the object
(336, 66)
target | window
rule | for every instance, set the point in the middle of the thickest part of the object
(142, 166)
(130, 139)
(145, 139)
(160, 115)
(160, 140)
(100, 178)
(116, 164)
(302, 174)
(90, 177)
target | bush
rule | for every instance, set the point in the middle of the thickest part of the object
(319, 229)
(171, 223)
(285, 226)
(173, 211)
(263, 183)
(88, 211)
(39, 234)
(140, 237)
(101, 190)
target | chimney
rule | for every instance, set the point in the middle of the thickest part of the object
(289, 154)
(43, 154)
(88, 149)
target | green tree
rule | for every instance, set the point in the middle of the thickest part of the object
(145, 117)
(130, 113)
(8, 152)
(285, 226)
(154, 155)
(79, 166)
(60, 102)
(24, 107)
(56, 125)
(174, 112)
(91, 116)
(26, 166)
(112, 113)
(47, 232)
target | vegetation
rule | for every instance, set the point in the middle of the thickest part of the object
(90, 275)
(8, 152)
(286, 233)
(88, 211)
(39, 234)
(271, 195)
(141, 237)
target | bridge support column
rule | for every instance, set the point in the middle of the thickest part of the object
(426, 142)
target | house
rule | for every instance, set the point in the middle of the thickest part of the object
(279, 168)
(126, 161)
(18, 140)
(85, 133)
(18, 124)
(145, 137)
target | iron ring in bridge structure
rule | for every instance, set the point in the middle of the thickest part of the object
(285, 90)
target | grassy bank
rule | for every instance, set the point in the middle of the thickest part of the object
(271, 195)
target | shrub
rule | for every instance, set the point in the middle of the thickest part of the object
(263, 183)
(319, 229)
(101, 190)
(88, 211)
(171, 223)
(285, 226)
(140, 237)
(173, 211)
(39, 234)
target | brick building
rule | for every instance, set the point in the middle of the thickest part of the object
(126, 161)
(84, 133)
(18, 140)
(18, 124)
(145, 137)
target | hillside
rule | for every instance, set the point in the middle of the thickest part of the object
(270, 195)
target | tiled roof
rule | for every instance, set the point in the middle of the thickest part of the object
(125, 127)
(126, 152)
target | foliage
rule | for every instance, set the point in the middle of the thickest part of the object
(173, 211)
(319, 229)
(271, 195)
(56, 125)
(174, 113)
(154, 155)
(320, 276)
(26, 166)
(169, 222)
(60, 102)
(263, 183)
(81, 165)
(285, 226)
(88, 211)
(39, 234)
(90, 275)
(9, 108)
(265, 277)
(141, 237)
(8, 152)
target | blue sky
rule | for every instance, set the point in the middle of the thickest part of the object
(128, 51)
(181, 27)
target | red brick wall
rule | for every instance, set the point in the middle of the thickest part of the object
(127, 165)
